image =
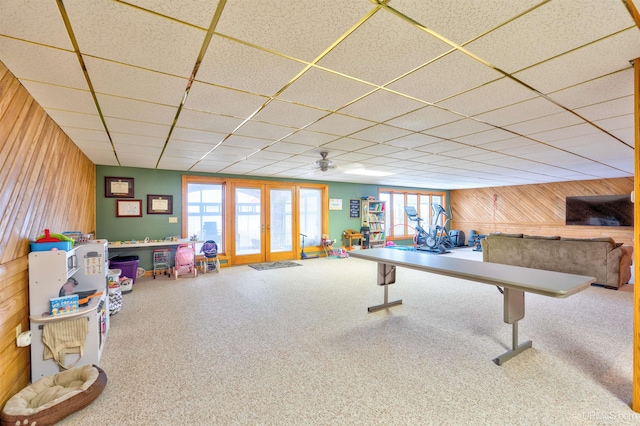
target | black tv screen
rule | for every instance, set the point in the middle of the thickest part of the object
(600, 210)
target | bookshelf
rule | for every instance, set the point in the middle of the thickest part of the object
(373, 216)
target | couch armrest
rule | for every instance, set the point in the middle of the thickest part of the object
(619, 262)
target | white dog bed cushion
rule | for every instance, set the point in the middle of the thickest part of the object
(52, 398)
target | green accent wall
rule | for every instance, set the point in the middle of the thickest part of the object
(169, 182)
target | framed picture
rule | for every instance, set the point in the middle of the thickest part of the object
(128, 208)
(118, 187)
(159, 204)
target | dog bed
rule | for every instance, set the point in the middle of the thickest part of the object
(52, 398)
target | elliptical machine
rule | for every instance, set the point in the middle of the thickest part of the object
(437, 238)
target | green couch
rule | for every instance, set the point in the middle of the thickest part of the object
(602, 258)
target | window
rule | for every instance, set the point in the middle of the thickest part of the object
(205, 212)
(398, 224)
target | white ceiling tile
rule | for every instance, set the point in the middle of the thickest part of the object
(353, 157)
(271, 155)
(36, 21)
(288, 114)
(627, 135)
(383, 36)
(424, 118)
(288, 148)
(120, 80)
(303, 29)
(123, 139)
(199, 120)
(508, 143)
(543, 124)
(381, 106)
(460, 21)
(338, 124)
(187, 149)
(141, 160)
(231, 153)
(445, 77)
(589, 62)
(380, 150)
(257, 129)
(521, 111)
(87, 135)
(456, 129)
(412, 141)
(615, 123)
(106, 29)
(322, 89)
(105, 157)
(309, 138)
(125, 150)
(42, 64)
(485, 137)
(380, 133)
(196, 12)
(199, 136)
(606, 88)
(236, 65)
(217, 100)
(174, 163)
(440, 147)
(549, 30)
(61, 98)
(607, 109)
(491, 96)
(575, 131)
(131, 109)
(75, 119)
(246, 142)
(348, 143)
(137, 128)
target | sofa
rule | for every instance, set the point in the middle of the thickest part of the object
(609, 262)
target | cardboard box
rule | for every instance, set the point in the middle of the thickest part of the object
(63, 305)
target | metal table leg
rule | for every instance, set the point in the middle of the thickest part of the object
(513, 312)
(386, 277)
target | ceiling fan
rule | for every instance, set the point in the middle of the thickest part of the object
(324, 163)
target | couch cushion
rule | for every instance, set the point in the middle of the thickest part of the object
(500, 234)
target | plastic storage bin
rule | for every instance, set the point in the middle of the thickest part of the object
(127, 264)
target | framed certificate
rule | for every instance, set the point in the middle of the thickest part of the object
(128, 208)
(118, 187)
(159, 204)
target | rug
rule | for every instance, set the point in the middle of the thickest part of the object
(273, 265)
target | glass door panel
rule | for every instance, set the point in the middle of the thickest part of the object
(280, 226)
(248, 224)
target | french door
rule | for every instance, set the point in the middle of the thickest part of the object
(263, 222)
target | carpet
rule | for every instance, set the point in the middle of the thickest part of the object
(273, 265)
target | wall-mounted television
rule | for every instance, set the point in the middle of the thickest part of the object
(600, 210)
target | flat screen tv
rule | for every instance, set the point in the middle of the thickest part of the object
(600, 210)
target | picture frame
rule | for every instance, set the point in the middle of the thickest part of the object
(128, 208)
(118, 187)
(159, 204)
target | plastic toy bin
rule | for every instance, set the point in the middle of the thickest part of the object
(127, 264)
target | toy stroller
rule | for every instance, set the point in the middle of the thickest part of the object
(210, 262)
(185, 260)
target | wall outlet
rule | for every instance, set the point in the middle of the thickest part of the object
(173, 220)
(24, 339)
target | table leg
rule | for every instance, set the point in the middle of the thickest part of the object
(513, 312)
(386, 277)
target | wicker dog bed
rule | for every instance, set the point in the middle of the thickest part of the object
(52, 398)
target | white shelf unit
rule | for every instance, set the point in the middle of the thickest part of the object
(374, 216)
(87, 263)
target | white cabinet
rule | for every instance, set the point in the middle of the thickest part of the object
(87, 264)
(374, 216)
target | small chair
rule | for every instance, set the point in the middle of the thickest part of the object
(210, 262)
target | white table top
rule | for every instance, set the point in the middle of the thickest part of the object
(538, 281)
(129, 244)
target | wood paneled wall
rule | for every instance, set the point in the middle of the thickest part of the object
(534, 209)
(45, 182)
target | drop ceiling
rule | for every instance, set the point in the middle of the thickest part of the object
(442, 94)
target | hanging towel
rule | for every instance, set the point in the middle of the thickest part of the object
(65, 337)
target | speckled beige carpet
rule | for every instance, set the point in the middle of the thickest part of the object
(296, 346)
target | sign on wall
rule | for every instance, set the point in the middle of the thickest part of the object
(354, 208)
